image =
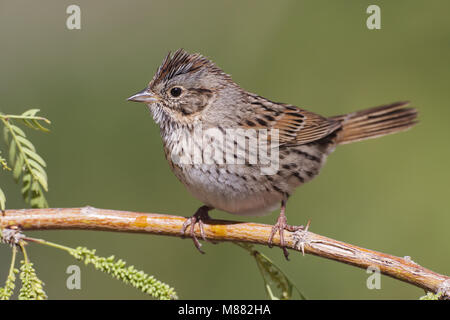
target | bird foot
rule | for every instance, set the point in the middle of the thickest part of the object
(199, 218)
(280, 226)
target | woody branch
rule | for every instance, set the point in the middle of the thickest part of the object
(89, 218)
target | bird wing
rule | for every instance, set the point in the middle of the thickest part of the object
(296, 126)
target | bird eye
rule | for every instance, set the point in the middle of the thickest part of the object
(175, 91)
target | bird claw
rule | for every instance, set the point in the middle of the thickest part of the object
(198, 218)
(279, 227)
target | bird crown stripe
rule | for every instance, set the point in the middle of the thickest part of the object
(180, 62)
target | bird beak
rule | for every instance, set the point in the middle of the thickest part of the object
(145, 96)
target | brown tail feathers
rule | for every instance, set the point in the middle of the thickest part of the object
(375, 122)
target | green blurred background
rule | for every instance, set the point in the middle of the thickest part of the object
(389, 194)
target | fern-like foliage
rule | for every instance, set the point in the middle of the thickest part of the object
(128, 274)
(27, 165)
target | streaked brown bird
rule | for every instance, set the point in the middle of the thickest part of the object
(198, 108)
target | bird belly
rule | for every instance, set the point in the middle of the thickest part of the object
(226, 189)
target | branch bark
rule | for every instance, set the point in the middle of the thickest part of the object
(89, 218)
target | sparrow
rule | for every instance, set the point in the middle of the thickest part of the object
(241, 153)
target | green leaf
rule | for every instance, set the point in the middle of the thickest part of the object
(34, 156)
(17, 130)
(26, 143)
(31, 112)
(6, 134)
(39, 126)
(277, 285)
(12, 151)
(18, 167)
(37, 196)
(26, 186)
(2, 200)
(41, 179)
